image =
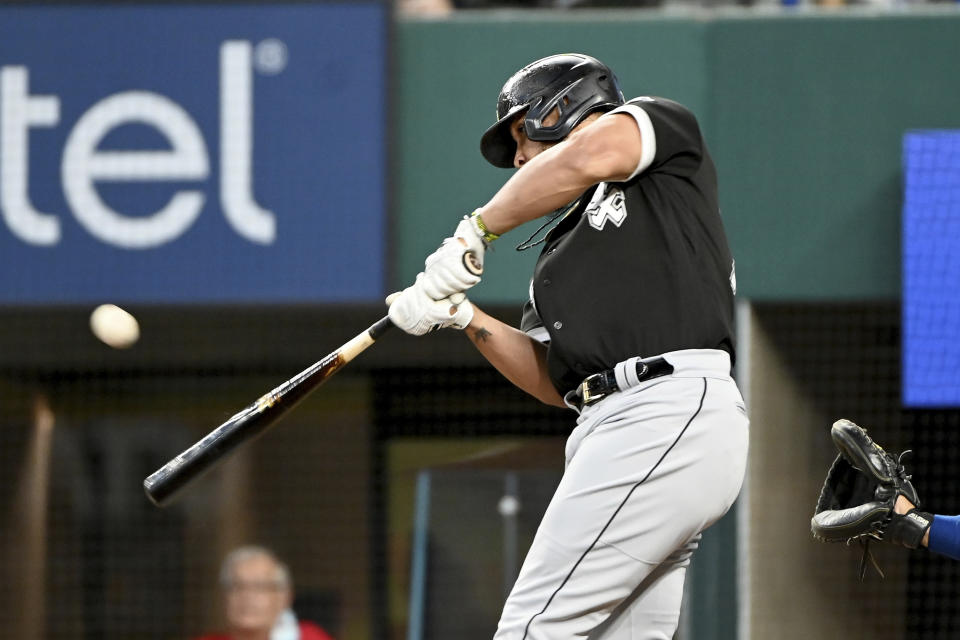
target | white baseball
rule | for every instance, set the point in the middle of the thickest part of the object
(508, 506)
(114, 326)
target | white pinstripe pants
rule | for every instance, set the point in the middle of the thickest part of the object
(647, 470)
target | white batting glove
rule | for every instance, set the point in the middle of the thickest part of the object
(417, 313)
(458, 263)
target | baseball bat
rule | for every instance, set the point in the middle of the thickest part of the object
(167, 481)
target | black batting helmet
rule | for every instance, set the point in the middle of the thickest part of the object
(573, 83)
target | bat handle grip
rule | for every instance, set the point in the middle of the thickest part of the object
(380, 327)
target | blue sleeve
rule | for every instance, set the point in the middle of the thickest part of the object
(945, 536)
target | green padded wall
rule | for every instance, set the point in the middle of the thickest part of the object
(804, 114)
(807, 117)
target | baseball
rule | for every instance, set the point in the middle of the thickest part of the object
(508, 506)
(114, 326)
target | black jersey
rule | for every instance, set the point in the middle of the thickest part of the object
(640, 267)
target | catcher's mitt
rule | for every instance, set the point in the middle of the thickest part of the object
(858, 496)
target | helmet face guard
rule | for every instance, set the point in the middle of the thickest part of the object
(573, 85)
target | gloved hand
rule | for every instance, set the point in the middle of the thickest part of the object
(857, 499)
(417, 313)
(458, 264)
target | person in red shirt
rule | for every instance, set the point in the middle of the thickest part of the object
(258, 592)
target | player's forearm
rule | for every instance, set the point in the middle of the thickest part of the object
(518, 357)
(545, 184)
(607, 150)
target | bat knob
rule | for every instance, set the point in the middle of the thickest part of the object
(472, 263)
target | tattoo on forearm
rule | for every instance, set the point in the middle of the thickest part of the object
(481, 335)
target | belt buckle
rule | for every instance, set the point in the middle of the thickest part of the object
(642, 370)
(585, 393)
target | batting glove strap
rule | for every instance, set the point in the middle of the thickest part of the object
(485, 234)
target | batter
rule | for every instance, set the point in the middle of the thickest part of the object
(629, 323)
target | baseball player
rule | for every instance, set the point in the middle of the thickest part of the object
(629, 323)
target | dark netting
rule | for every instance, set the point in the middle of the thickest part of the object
(460, 402)
(471, 434)
(88, 556)
(847, 359)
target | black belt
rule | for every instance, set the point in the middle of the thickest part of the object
(600, 385)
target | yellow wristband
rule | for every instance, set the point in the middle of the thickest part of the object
(488, 236)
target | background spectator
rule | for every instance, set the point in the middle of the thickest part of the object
(258, 592)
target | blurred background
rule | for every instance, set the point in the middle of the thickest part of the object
(249, 180)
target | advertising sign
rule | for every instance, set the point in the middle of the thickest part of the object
(192, 153)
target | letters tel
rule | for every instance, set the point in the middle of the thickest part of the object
(82, 164)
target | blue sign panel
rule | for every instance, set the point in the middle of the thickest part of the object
(931, 269)
(205, 153)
